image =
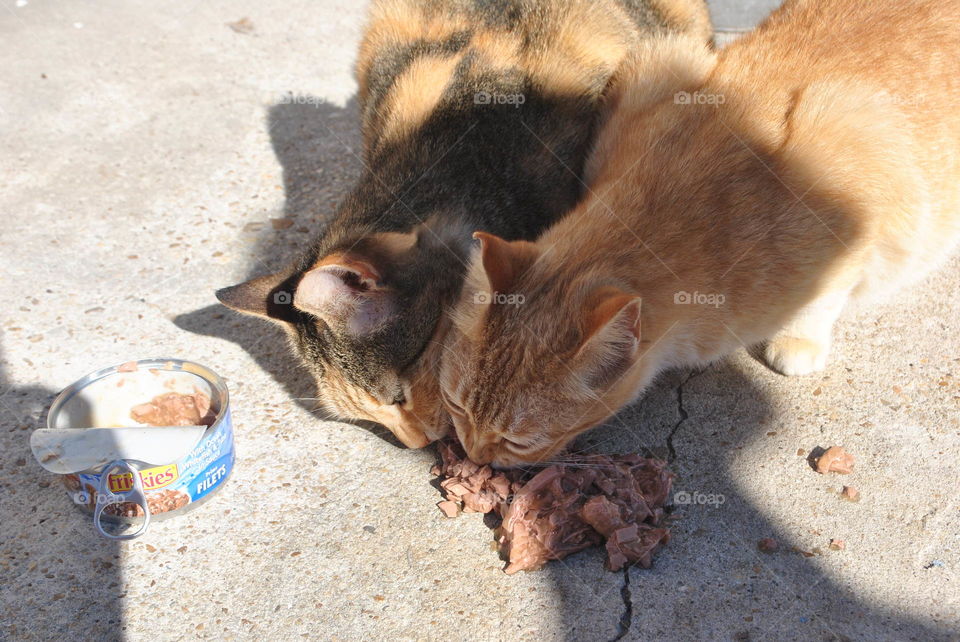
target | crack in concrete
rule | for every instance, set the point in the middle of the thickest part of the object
(626, 618)
(672, 452)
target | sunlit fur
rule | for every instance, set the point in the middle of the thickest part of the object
(829, 173)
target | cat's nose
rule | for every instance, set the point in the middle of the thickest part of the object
(432, 429)
(406, 426)
(441, 426)
(481, 458)
(468, 440)
(483, 453)
(412, 436)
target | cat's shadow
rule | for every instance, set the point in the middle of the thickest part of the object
(318, 146)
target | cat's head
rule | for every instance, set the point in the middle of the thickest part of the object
(531, 359)
(365, 317)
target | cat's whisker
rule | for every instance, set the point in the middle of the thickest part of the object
(574, 462)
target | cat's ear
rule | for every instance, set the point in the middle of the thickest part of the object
(264, 296)
(347, 292)
(611, 338)
(503, 261)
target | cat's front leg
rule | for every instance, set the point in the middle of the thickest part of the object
(803, 345)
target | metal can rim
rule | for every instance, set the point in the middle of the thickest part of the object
(205, 373)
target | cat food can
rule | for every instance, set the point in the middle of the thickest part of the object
(161, 477)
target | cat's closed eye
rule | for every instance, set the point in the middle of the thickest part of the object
(450, 403)
(517, 446)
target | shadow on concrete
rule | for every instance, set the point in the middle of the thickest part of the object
(711, 576)
(265, 342)
(59, 579)
(317, 144)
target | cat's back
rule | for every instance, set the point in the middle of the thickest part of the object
(863, 94)
(901, 56)
(420, 56)
(907, 48)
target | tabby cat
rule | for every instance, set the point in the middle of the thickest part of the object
(476, 115)
(740, 199)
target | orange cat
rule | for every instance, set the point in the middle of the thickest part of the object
(737, 200)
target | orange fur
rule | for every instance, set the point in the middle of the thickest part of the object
(400, 22)
(569, 63)
(500, 51)
(817, 162)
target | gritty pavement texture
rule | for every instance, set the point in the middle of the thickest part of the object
(153, 153)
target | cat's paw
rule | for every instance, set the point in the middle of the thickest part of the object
(796, 356)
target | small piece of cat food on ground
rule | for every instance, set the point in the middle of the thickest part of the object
(768, 545)
(565, 508)
(449, 508)
(837, 545)
(812, 553)
(850, 494)
(129, 366)
(175, 409)
(243, 25)
(835, 460)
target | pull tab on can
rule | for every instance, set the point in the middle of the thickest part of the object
(106, 497)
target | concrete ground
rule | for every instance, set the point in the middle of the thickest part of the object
(146, 148)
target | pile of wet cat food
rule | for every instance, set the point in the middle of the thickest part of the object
(562, 509)
(175, 409)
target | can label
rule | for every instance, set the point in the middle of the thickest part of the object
(170, 486)
(152, 479)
